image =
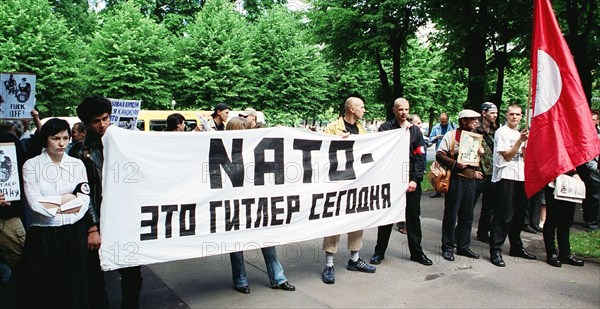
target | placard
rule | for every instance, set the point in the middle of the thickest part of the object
(18, 92)
(468, 148)
(125, 113)
(9, 172)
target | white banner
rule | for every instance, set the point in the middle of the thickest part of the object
(177, 195)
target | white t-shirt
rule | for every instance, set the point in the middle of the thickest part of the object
(504, 139)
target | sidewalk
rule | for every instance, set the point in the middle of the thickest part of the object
(398, 282)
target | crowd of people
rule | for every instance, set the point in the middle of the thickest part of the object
(52, 248)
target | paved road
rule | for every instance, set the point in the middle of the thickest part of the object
(398, 282)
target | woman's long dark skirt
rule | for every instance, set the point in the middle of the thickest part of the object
(54, 268)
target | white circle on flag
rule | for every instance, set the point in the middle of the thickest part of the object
(548, 84)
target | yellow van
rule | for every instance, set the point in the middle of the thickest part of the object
(156, 120)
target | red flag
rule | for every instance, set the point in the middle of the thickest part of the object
(562, 135)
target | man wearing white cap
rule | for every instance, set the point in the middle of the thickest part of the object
(509, 176)
(460, 199)
(252, 117)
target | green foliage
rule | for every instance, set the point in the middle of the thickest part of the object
(175, 15)
(214, 60)
(586, 244)
(34, 40)
(77, 14)
(292, 75)
(130, 58)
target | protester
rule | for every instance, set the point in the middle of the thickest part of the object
(591, 204)
(485, 187)
(252, 117)
(274, 269)
(95, 113)
(413, 192)
(559, 219)
(414, 120)
(175, 122)
(436, 135)
(509, 174)
(54, 262)
(78, 134)
(12, 213)
(218, 118)
(349, 123)
(460, 199)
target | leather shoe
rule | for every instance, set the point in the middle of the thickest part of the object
(468, 253)
(376, 259)
(537, 228)
(448, 255)
(529, 229)
(286, 286)
(421, 259)
(522, 253)
(243, 289)
(552, 260)
(496, 259)
(436, 194)
(571, 260)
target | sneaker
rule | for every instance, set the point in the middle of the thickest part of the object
(360, 265)
(328, 276)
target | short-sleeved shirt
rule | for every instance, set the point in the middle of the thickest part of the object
(504, 139)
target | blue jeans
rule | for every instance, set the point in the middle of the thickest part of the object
(274, 268)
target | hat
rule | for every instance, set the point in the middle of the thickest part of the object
(220, 107)
(468, 113)
(248, 111)
(488, 106)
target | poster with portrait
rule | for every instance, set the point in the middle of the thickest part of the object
(9, 172)
(125, 113)
(468, 148)
(18, 95)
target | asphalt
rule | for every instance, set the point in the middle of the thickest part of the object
(398, 282)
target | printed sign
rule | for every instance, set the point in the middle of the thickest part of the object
(468, 149)
(125, 113)
(18, 92)
(9, 172)
(170, 196)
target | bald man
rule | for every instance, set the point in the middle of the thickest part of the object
(413, 192)
(354, 110)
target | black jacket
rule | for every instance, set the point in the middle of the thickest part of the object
(90, 153)
(417, 151)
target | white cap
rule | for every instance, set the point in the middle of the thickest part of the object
(468, 113)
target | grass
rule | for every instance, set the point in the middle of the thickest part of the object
(586, 244)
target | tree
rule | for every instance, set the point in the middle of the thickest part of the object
(78, 16)
(292, 75)
(372, 30)
(175, 15)
(581, 31)
(34, 40)
(214, 60)
(130, 58)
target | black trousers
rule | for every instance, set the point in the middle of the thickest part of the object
(509, 215)
(413, 226)
(131, 285)
(458, 214)
(591, 204)
(532, 216)
(487, 189)
(559, 219)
